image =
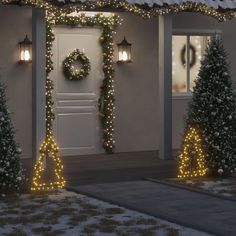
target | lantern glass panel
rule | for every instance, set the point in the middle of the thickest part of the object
(25, 50)
(124, 52)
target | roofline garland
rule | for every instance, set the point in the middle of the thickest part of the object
(123, 5)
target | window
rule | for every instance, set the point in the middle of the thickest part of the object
(187, 53)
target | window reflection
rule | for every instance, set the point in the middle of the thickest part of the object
(187, 53)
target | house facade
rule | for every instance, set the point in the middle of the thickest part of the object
(151, 93)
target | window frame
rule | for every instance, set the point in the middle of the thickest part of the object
(188, 33)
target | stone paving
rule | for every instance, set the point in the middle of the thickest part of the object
(191, 209)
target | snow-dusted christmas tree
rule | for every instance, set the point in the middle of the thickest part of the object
(213, 110)
(11, 176)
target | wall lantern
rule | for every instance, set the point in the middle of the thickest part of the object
(25, 49)
(124, 52)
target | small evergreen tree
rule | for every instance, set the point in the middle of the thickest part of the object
(11, 175)
(213, 110)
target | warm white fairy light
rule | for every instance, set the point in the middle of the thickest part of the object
(69, 69)
(192, 144)
(49, 148)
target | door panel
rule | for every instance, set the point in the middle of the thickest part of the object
(77, 125)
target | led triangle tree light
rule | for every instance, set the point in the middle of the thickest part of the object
(49, 148)
(192, 159)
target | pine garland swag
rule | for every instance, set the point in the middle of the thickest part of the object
(70, 71)
(107, 93)
(145, 13)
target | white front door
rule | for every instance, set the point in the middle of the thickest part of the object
(77, 126)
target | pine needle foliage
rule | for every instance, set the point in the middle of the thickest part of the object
(213, 110)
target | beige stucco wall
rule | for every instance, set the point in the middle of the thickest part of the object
(15, 23)
(136, 87)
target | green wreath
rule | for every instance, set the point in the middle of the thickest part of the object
(70, 71)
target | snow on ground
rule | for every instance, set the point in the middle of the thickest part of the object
(68, 213)
(224, 187)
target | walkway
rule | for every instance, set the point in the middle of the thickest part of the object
(195, 210)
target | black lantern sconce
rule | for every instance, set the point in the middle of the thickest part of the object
(124, 52)
(25, 50)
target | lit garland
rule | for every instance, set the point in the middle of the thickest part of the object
(106, 101)
(107, 92)
(148, 12)
(49, 148)
(69, 70)
(141, 10)
(192, 159)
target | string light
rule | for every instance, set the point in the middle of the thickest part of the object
(145, 12)
(107, 99)
(49, 147)
(148, 12)
(69, 70)
(190, 167)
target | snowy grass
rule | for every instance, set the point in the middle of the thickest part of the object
(224, 187)
(68, 213)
